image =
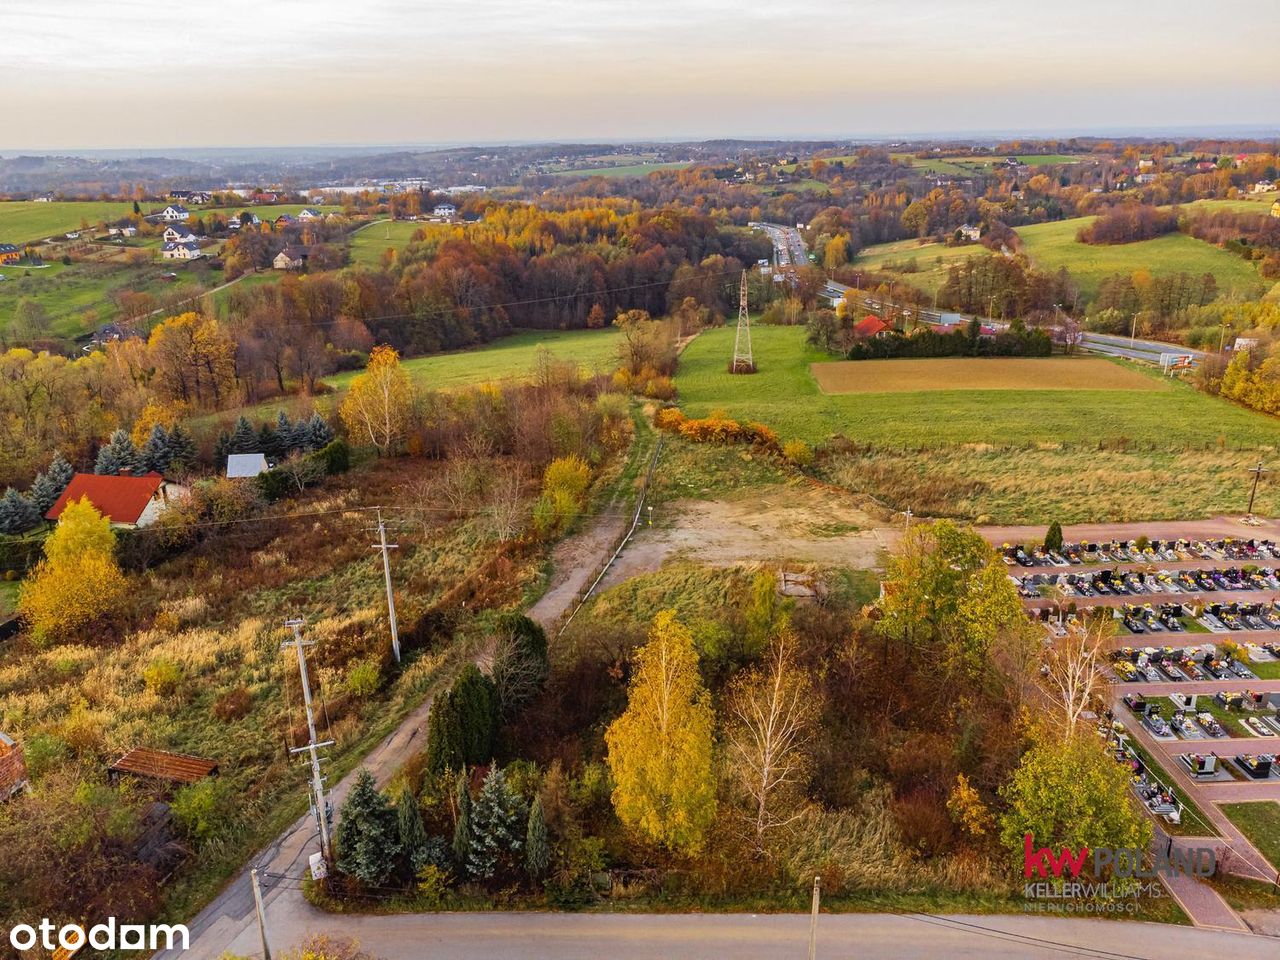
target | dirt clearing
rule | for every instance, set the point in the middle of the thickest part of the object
(979, 373)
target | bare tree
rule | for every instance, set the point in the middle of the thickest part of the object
(301, 469)
(772, 712)
(1070, 333)
(1074, 669)
(506, 507)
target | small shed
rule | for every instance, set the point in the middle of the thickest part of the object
(162, 765)
(242, 465)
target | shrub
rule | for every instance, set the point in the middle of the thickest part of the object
(233, 705)
(201, 808)
(336, 457)
(162, 677)
(660, 388)
(364, 678)
(798, 452)
(274, 485)
(669, 418)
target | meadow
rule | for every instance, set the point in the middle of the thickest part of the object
(1054, 245)
(24, 221)
(368, 244)
(981, 373)
(1004, 455)
(624, 170)
(922, 265)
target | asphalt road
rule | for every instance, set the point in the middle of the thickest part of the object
(553, 936)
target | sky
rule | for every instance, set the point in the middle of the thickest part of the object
(159, 73)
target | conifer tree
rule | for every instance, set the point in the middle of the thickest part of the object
(368, 835)
(155, 452)
(413, 836)
(244, 439)
(49, 485)
(497, 820)
(537, 851)
(118, 456)
(17, 512)
(462, 827)
(182, 448)
(319, 433)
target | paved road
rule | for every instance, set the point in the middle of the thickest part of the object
(539, 936)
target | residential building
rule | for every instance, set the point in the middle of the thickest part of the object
(1263, 186)
(244, 465)
(446, 210)
(13, 768)
(126, 501)
(870, 327)
(308, 214)
(970, 231)
(179, 234)
(130, 231)
(290, 258)
(175, 213)
(189, 250)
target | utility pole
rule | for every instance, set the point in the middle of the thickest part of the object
(813, 919)
(1257, 472)
(312, 747)
(262, 914)
(386, 573)
(743, 362)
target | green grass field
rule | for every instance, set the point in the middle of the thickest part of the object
(368, 244)
(1007, 455)
(24, 221)
(1260, 822)
(924, 266)
(624, 170)
(1252, 205)
(1054, 245)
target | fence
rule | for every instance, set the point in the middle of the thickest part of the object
(622, 540)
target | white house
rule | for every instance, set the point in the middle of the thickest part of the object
(243, 465)
(128, 231)
(1262, 186)
(970, 231)
(444, 210)
(181, 251)
(174, 213)
(178, 235)
(290, 258)
(309, 214)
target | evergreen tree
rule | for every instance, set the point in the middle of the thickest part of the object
(288, 436)
(318, 432)
(496, 821)
(537, 851)
(244, 439)
(156, 453)
(118, 456)
(59, 473)
(462, 827)
(17, 513)
(44, 494)
(269, 443)
(413, 836)
(368, 835)
(182, 448)
(1053, 537)
(477, 713)
(444, 737)
(221, 449)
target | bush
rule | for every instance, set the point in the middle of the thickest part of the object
(274, 485)
(669, 418)
(336, 457)
(364, 678)
(798, 452)
(201, 808)
(163, 677)
(233, 705)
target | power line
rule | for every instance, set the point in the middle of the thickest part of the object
(1055, 946)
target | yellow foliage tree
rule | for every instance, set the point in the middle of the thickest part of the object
(79, 581)
(660, 749)
(377, 406)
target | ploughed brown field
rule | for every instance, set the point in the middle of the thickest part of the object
(979, 373)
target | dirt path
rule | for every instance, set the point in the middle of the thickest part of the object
(783, 523)
(575, 561)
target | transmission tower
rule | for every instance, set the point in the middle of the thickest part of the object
(742, 360)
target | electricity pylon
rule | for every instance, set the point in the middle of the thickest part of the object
(742, 359)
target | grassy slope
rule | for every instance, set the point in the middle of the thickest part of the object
(1003, 455)
(368, 245)
(929, 274)
(1054, 245)
(22, 221)
(1260, 822)
(628, 170)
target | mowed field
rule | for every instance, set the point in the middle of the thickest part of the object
(368, 244)
(23, 221)
(1006, 455)
(1054, 245)
(624, 170)
(979, 373)
(921, 265)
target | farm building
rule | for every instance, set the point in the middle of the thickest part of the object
(125, 501)
(13, 767)
(189, 250)
(9, 253)
(869, 327)
(175, 213)
(242, 465)
(290, 258)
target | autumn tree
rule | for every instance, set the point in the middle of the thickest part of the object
(1075, 670)
(377, 406)
(660, 748)
(79, 582)
(772, 711)
(194, 360)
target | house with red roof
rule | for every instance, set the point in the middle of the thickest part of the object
(127, 501)
(869, 327)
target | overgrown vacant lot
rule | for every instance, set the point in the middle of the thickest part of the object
(921, 265)
(985, 373)
(1054, 245)
(1004, 455)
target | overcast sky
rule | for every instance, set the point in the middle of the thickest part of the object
(157, 73)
